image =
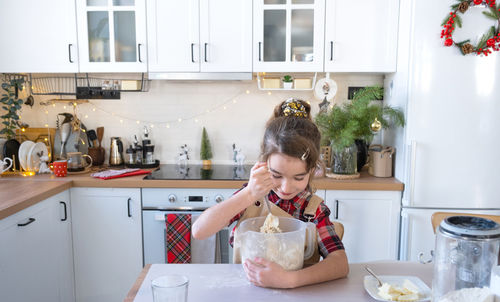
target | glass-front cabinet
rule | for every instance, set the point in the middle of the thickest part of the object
(112, 35)
(288, 35)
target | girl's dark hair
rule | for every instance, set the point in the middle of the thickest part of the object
(293, 134)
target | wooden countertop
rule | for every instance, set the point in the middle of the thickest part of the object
(29, 190)
(17, 195)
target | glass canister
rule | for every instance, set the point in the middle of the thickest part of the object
(344, 160)
(467, 248)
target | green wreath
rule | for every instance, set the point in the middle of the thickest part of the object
(488, 42)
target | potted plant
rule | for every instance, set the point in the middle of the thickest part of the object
(356, 120)
(11, 103)
(287, 81)
(205, 150)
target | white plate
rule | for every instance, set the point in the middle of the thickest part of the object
(318, 89)
(371, 286)
(23, 153)
(33, 160)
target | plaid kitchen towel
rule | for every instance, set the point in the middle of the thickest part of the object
(178, 239)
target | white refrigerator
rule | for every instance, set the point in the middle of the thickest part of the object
(448, 153)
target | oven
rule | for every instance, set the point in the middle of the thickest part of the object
(156, 203)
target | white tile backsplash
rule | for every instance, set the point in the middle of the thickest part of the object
(229, 113)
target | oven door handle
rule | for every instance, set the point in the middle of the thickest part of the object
(159, 217)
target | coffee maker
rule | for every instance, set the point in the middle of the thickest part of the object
(116, 151)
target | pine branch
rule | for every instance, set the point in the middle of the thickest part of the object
(491, 15)
(482, 42)
(458, 21)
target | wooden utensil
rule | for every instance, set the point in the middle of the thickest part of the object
(92, 137)
(100, 134)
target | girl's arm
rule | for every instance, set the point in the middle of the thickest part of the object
(215, 218)
(265, 273)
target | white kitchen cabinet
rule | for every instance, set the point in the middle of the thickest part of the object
(199, 35)
(36, 261)
(371, 223)
(38, 36)
(361, 36)
(112, 35)
(288, 35)
(107, 242)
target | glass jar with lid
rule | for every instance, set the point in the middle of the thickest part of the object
(467, 248)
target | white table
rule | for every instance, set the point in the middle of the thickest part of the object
(227, 282)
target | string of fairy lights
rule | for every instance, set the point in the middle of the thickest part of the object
(125, 119)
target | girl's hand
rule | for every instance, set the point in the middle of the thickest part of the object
(264, 273)
(260, 182)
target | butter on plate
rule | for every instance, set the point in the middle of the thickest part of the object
(407, 292)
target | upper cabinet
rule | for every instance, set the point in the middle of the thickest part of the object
(288, 35)
(112, 35)
(361, 35)
(38, 36)
(199, 35)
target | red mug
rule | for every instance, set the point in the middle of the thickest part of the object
(60, 168)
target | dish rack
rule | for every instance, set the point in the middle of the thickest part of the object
(84, 86)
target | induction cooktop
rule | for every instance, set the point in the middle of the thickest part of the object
(196, 172)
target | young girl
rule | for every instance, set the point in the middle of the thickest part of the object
(290, 153)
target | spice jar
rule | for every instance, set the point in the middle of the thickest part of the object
(148, 151)
(130, 156)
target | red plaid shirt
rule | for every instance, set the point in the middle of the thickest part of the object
(328, 241)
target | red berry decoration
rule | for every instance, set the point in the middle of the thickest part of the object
(490, 41)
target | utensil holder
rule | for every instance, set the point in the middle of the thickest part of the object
(97, 155)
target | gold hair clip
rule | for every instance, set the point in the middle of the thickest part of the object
(294, 107)
(305, 155)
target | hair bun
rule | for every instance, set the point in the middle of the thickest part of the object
(294, 107)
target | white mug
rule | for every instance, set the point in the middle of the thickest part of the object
(3, 163)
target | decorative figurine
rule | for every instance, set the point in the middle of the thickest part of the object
(44, 168)
(183, 156)
(238, 156)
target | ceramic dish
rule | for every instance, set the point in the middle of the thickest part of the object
(23, 153)
(371, 286)
(33, 161)
(86, 170)
(11, 150)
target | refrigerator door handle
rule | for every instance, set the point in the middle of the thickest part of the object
(410, 175)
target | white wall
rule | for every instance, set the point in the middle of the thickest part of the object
(229, 113)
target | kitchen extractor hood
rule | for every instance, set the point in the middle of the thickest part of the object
(200, 76)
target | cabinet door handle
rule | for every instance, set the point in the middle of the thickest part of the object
(139, 51)
(69, 53)
(336, 209)
(192, 52)
(30, 220)
(206, 52)
(128, 207)
(65, 211)
(331, 50)
(260, 52)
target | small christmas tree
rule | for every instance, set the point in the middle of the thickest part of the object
(206, 149)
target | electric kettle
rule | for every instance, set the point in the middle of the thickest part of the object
(467, 248)
(115, 152)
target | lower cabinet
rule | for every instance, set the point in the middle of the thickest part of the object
(371, 222)
(36, 260)
(107, 242)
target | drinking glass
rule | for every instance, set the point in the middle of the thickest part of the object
(170, 288)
